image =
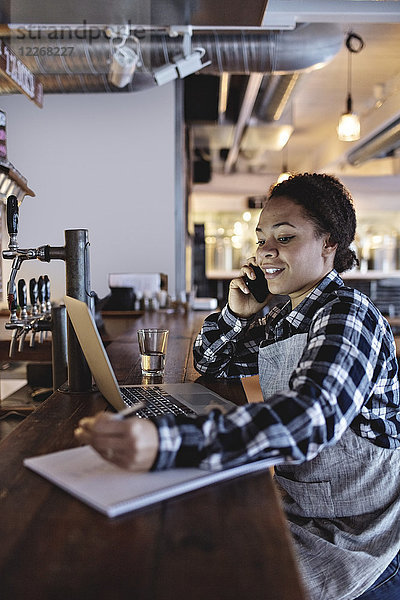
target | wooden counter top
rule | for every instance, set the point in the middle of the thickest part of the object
(225, 542)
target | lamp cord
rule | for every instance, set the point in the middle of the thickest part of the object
(354, 45)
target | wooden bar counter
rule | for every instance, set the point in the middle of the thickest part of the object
(228, 541)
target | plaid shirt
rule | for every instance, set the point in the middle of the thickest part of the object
(347, 376)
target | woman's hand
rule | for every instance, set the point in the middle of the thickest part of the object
(240, 300)
(129, 443)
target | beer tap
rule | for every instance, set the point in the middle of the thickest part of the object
(33, 296)
(42, 303)
(25, 326)
(47, 293)
(75, 254)
(18, 255)
(42, 294)
(13, 321)
(13, 303)
(22, 299)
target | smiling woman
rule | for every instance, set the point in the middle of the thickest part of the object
(321, 359)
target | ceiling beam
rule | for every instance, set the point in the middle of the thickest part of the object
(285, 14)
(246, 110)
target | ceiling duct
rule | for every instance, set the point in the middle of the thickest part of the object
(73, 64)
(86, 61)
(381, 144)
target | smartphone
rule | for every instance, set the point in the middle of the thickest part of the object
(258, 286)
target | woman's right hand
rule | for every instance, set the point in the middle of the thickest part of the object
(241, 301)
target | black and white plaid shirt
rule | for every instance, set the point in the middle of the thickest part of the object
(347, 376)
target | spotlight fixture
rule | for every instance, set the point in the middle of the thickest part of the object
(123, 65)
(165, 74)
(187, 65)
(123, 59)
(348, 129)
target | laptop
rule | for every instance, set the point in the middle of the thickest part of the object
(178, 398)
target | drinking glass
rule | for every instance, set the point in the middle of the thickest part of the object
(153, 349)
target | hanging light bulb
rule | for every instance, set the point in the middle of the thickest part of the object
(348, 129)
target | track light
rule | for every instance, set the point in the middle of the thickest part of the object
(123, 65)
(123, 59)
(191, 63)
(185, 64)
(165, 74)
(181, 67)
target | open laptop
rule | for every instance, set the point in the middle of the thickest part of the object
(179, 398)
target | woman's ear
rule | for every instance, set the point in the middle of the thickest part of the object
(328, 247)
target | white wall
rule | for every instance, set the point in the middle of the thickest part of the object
(103, 163)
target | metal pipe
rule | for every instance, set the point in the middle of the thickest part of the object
(59, 346)
(77, 285)
(243, 51)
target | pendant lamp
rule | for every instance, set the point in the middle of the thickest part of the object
(348, 129)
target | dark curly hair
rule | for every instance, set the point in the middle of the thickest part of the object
(329, 206)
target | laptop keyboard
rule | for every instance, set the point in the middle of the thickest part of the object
(158, 401)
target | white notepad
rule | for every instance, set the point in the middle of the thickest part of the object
(114, 491)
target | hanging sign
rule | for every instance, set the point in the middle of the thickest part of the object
(19, 74)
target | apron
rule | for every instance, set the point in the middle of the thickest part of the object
(343, 506)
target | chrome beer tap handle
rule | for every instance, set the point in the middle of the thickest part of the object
(42, 294)
(42, 302)
(47, 293)
(33, 296)
(13, 303)
(24, 320)
(12, 221)
(22, 299)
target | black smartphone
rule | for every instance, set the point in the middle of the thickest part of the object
(258, 286)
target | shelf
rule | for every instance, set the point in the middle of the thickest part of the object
(13, 182)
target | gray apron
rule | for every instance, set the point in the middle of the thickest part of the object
(343, 506)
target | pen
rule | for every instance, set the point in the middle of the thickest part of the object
(128, 411)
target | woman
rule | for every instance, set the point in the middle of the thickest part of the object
(330, 420)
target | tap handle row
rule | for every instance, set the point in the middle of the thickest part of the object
(40, 294)
(12, 215)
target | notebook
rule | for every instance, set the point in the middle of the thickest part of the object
(180, 398)
(114, 491)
